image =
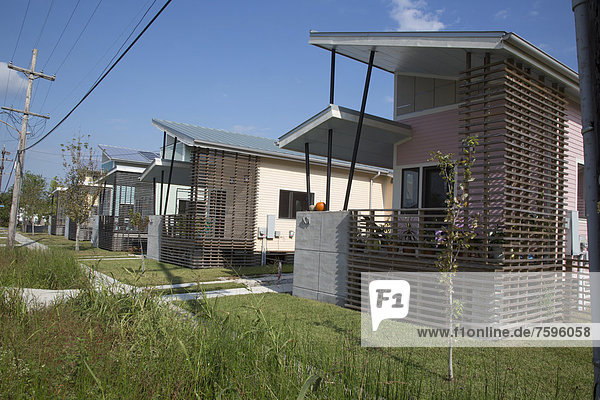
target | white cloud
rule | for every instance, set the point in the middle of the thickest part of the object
(16, 84)
(412, 15)
(502, 14)
(389, 99)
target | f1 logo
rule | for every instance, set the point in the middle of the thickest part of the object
(389, 299)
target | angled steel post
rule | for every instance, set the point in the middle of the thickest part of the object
(170, 175)
(361, 117)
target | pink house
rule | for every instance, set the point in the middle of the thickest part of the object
(521, 104)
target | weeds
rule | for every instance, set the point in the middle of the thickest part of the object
(49, 269)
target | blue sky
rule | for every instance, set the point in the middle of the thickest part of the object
(244, 66)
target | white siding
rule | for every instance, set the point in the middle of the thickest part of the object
(275, 175)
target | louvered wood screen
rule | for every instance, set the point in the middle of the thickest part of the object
(116, 205)
(517, 195)
(218, 227)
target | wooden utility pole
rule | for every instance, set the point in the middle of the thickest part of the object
(4, 154)
(14, 209)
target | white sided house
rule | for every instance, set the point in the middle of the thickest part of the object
(242, 195)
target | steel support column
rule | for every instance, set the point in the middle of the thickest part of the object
(361, 117)
(307, 163)
(170, 176)
(154, 196)
(329, 157)
(164, 143)
(162, 182)
(332, 77)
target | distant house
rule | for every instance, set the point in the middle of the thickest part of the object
(123, 194)
(61, 224)
(243, 193)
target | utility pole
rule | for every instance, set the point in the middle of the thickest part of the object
(14, 209)
(4, 154)
(587, 32)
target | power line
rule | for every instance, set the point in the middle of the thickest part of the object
(61, 34)
(83, 79)
(78, 37)
(44, 25)
(102, 77)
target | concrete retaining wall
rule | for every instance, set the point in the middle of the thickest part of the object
(321, 256)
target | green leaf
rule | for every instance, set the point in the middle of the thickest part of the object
(312, 382)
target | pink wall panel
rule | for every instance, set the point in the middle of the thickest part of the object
(438, 131)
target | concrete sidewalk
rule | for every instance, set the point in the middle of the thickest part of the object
(261, 284)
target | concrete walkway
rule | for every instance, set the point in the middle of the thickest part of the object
(263, 284)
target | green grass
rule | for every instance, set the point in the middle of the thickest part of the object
(52, 269)
(160, 273)
(329, 340)
(85, 247)
(251, 347)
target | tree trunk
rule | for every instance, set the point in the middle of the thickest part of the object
(142, 252)
(450, 367)
(77, 237)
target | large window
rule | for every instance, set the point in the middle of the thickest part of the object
(291, 202)
(423, 187)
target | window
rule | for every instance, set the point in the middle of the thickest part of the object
(410, 188)
(434, 188)
(423, 187)
(291, 202)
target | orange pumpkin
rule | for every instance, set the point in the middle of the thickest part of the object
(320, 206)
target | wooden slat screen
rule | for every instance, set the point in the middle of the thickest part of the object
(218, 227)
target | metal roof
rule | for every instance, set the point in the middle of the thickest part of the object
(193, 135)
(130, 155)
(376, 148)
(441, 54)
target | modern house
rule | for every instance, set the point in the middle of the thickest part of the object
(521, 104)
(240, 195)
(123, 194)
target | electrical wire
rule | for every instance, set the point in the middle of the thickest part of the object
(44, 25)
(78, 37)
(83, 79)
(61, 35)
(102, 77)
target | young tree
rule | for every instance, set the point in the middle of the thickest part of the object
(459, 226)
(34, 197)
(81, 174)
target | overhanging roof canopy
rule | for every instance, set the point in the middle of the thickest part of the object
(441, 54)
(181, 172)
(377, 138)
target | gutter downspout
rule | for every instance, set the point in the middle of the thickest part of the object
(371, 189)
(585, 35)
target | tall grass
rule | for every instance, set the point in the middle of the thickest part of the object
(101, 345)
(43, 269)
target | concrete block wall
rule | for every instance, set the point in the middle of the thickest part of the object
(321, 256)
(155, 223)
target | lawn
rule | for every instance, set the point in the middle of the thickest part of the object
(327, 337)
(200, 288)
(85, 247)
(52, 269)
(160, 273)
(270, 346)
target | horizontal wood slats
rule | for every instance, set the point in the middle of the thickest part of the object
(219, 225)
